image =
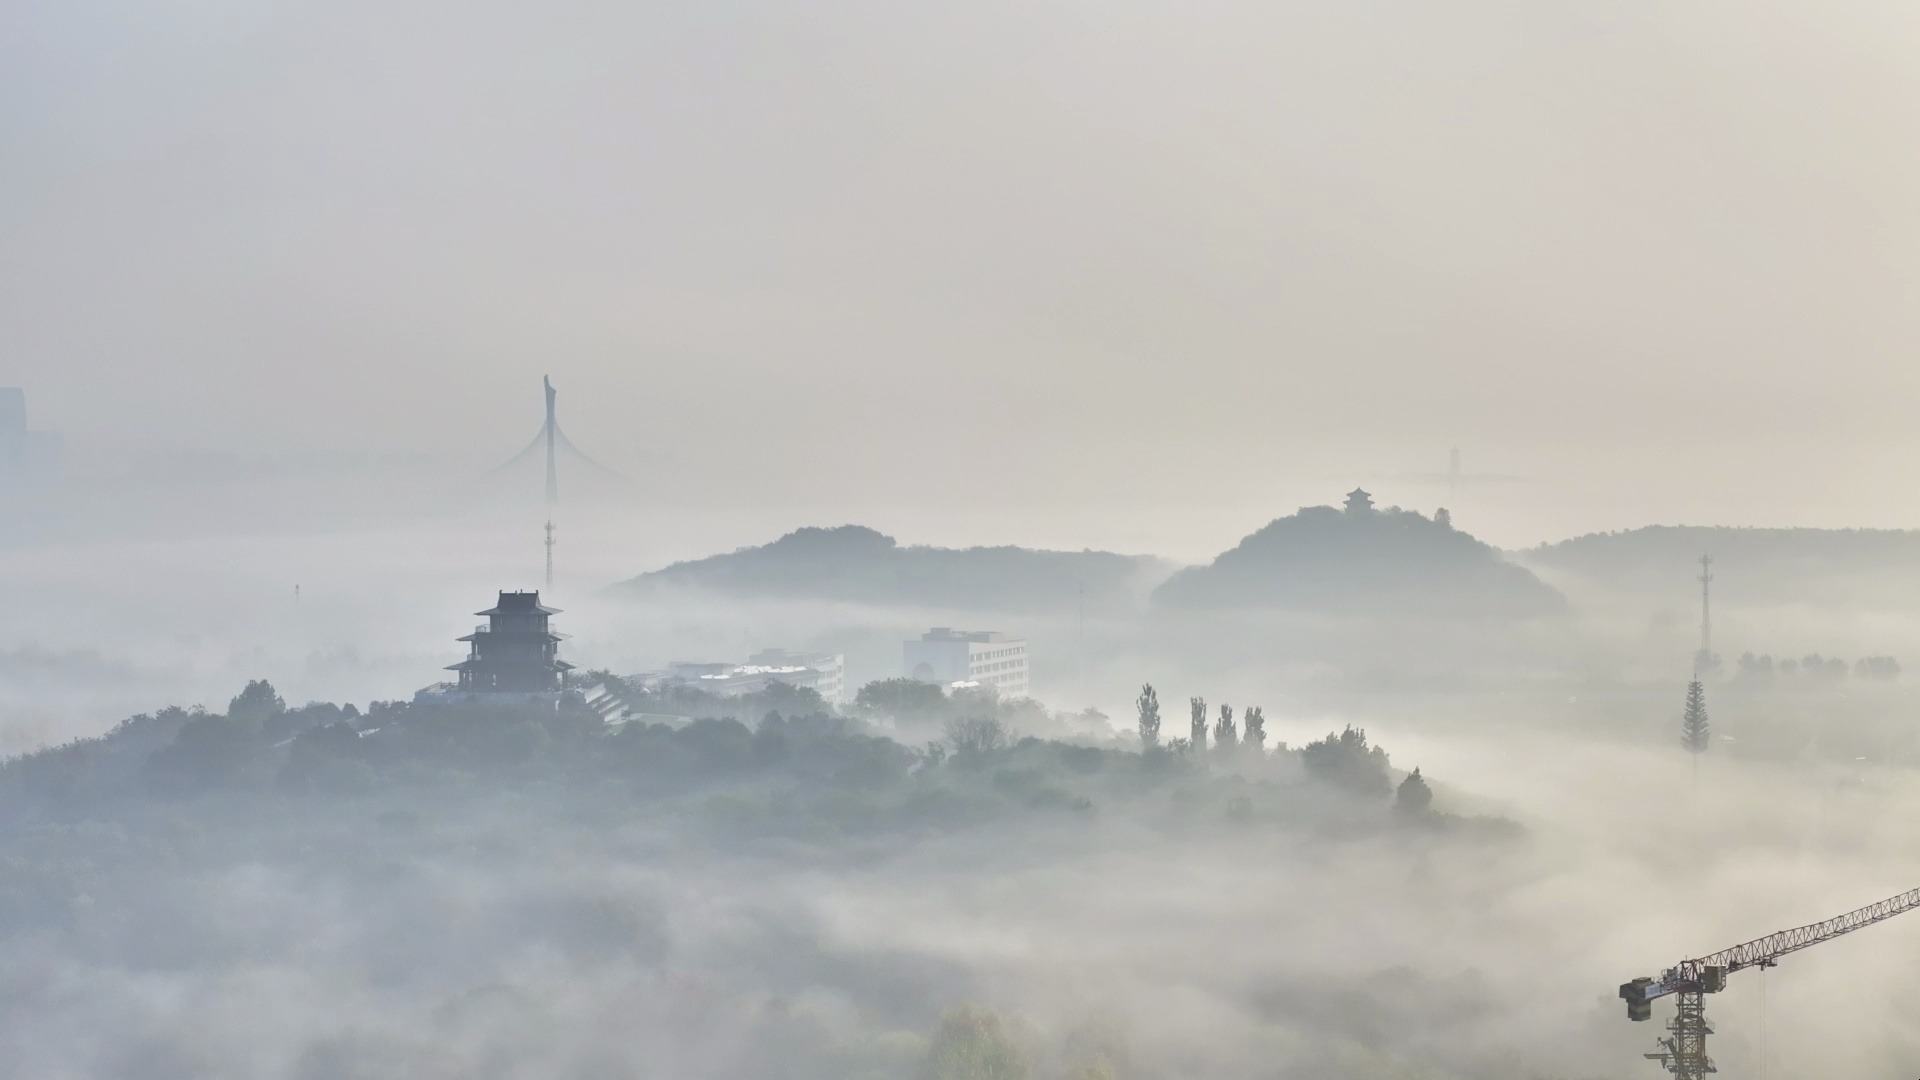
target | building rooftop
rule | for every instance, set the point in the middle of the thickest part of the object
(519, 603)
(944, 633)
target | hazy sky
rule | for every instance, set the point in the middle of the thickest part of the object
(1200, 258)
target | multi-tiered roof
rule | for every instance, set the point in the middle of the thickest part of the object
(516, 652)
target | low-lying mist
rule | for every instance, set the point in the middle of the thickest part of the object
(506, 904)
(412, 892)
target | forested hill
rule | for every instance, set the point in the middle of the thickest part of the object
(1365, 561)
(855, 564)
(1793, 561)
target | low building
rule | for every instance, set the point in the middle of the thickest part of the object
(823, 673)
(989, 658)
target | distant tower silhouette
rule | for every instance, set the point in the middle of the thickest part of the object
(550, 440)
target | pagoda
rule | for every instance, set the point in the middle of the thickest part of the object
(515, 651)
(1359, 502)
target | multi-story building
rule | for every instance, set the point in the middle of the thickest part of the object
(515, 652)
(947, 656)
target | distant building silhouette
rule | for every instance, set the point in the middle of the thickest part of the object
(24, 454)
(950, 656)
(1359, 502)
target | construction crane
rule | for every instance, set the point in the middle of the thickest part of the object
(1684, 1052)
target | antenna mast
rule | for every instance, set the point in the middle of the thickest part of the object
(1706, 610)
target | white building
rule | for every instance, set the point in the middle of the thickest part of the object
(823, 673)
(947, 656)
(829, 669)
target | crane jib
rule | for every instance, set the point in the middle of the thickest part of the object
(1708, 974)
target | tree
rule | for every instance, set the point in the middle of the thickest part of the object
(973, 1044)
(1197, 740)
(1149, 705)
(257, 704)
(901, 699)
(1694, 730)
(977, 735)
(1254, 725)
(1347, 761)
(1877, 667)
(1225, 738)
(1414, 797)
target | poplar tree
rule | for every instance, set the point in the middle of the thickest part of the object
(1253, 724)
(1197, 737)
(1149, 705)
(1225, 737)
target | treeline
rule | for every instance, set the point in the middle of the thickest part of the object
(1343, 759)
(1813, 668)
(798, 768)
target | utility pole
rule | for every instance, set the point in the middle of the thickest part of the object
(1704, 657)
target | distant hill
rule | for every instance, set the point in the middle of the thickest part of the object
(1772, 563)
(1362, 560)
(856, 564)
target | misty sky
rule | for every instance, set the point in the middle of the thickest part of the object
(1210, 258)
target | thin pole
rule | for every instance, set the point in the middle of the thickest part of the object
(1706, 607)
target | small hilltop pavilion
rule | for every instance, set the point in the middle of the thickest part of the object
(514, 653)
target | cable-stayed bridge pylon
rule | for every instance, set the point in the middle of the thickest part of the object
(551, 441)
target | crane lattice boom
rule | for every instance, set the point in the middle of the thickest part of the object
(1762, 952)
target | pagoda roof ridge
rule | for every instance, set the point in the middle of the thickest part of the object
(531, 609)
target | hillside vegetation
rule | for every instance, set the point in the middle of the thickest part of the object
(855, 564)
(1363, 561)
(1776, 564)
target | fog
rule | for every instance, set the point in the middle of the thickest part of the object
(1201, 261)
(1089, 317)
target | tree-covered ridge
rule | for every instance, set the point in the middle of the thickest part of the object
(1365, 561)
(437, 867)
(852, 563)
(805, 770)
(1765, 560)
